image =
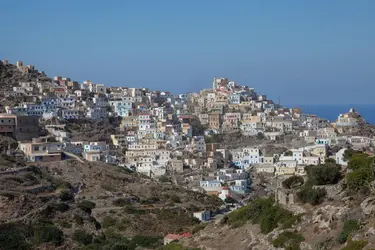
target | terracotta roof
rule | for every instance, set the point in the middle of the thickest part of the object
(177, 236)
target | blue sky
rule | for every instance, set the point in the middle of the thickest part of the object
(306, 52)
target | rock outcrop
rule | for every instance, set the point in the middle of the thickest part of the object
(326, 215)
(368, 206)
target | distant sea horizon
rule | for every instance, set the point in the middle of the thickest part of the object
(332, 111)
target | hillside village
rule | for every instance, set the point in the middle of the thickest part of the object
(228, 140)
(160, 133)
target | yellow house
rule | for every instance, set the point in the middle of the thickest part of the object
(319, 150)
(286, 171)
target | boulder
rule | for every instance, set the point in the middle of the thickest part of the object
(326, 215)
(368, 205)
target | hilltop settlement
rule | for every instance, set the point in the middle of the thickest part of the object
(227, 141)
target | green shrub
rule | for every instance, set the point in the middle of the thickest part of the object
(355, 245)
(86, 206)
(359, 178)
(263, 212)
(324, 174)
(175, 198)
(13, 236)
(61, 207)
(362, 166)
(288, 240)
(132, 210)
(314, 196)
(121, 202)
(65, 224)
(108, 221)
(82, 237)
(63, 185)
(49, 234)
(359, 160)
(164, 178)
(145, 241)
(123, 224)
(66, 195)
(108, 187)
(120, 246)
(78, 219)
(176, 246)
(9, 196)
(349, 227)
(293, 181)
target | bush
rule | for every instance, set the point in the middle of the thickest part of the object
(349, 227)
(123, 224)
(176, 246)
(359, 178)
(288, 240)
(293, 181)
(119, 246)
(66, 195)
(86, 206)
(121, 202)
(175, 198)
(314, 196)
(355, 245)
(348, 153)
(108, 221)
(263, 212)
(78, 219)
(61, 207)
(82, 237)
(288, 153)
(108, 187)
(164, 178)
(132, 210)
(359, 160)
(145, 241)
(324, 174)
(63, 185)
(230, 200)
(13, 236)
(48, 234)
(65, 224)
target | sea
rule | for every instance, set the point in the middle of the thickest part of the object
(331, 112)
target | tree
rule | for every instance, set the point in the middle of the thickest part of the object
(82, 237)
(260, 136)
(314, 196)
(362, 175)
(66, 195)
(348, 153)
(359, 160)
(324, 174)
(86, 206)
(293, 181)
(288, 153)
(349, 227)
(196, 125)
(230, 200)
(49, 233)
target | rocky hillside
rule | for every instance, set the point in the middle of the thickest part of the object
(81, 205)
(332, 208)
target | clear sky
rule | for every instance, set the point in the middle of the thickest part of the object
(306, 52)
